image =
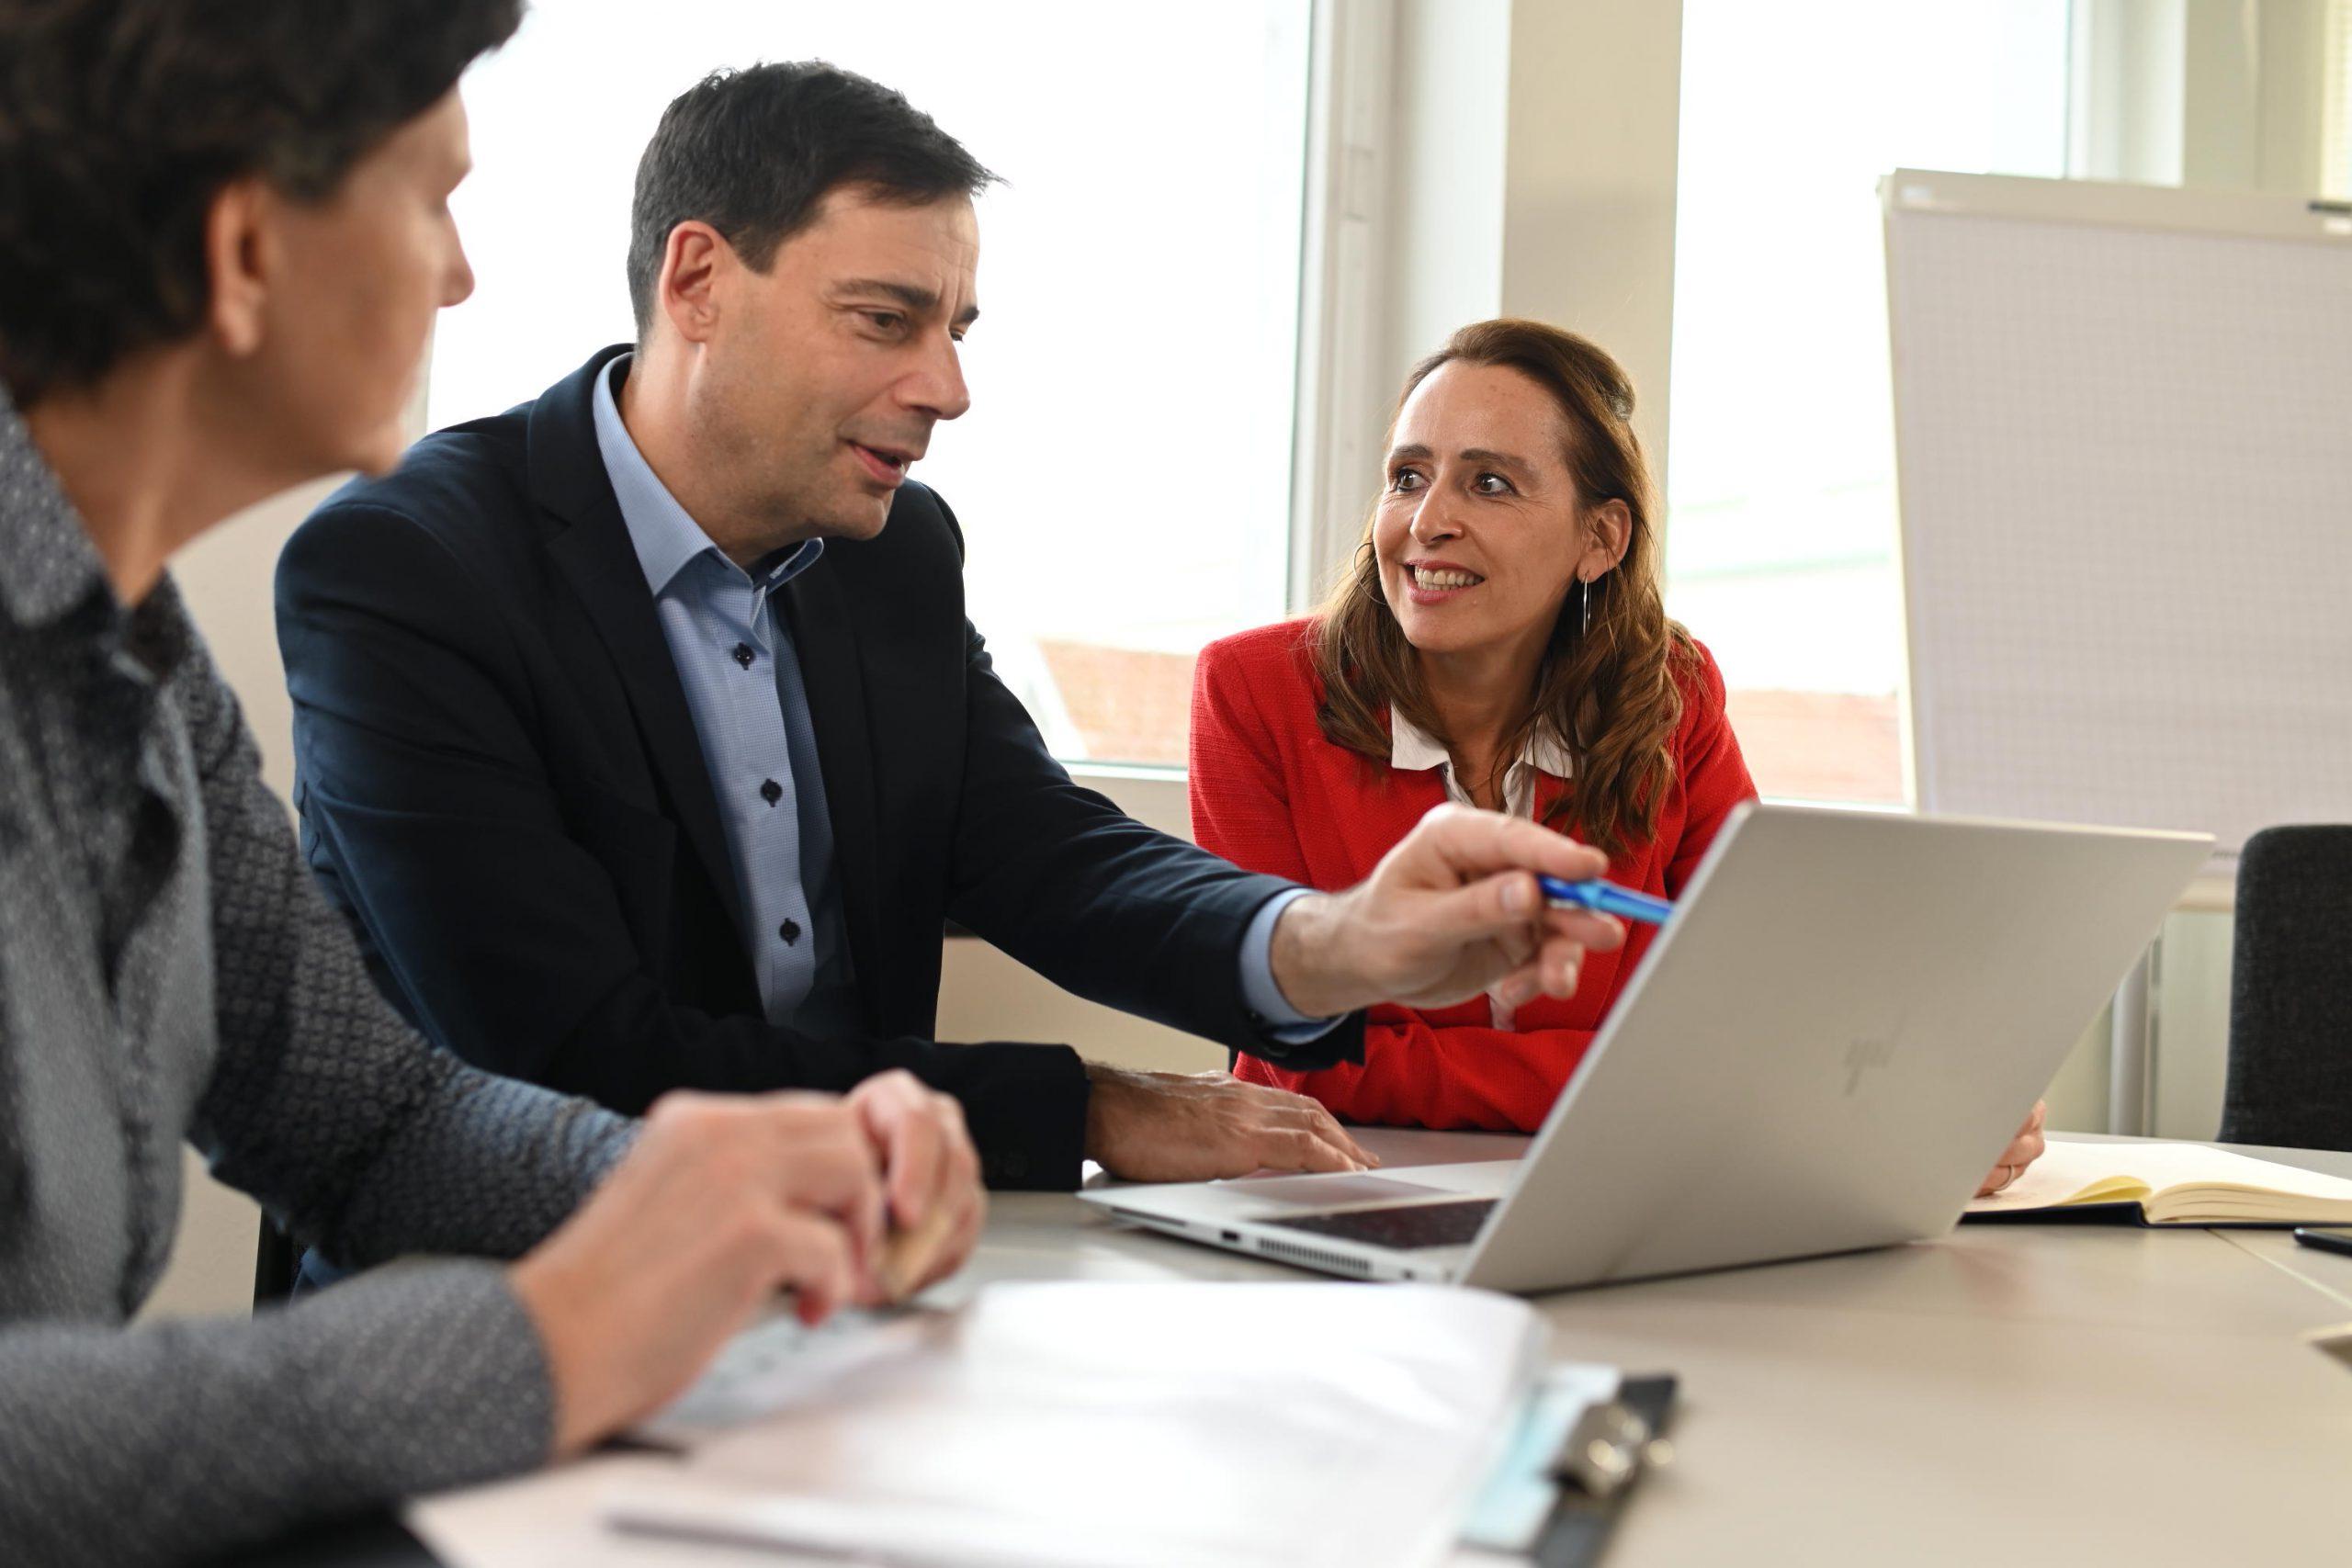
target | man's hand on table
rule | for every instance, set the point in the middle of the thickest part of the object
(1452, 911)
(1198, 1126)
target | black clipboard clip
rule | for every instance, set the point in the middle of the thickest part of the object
(1613, 1443)
(1612, 1447)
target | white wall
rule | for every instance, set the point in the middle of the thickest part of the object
(2190, 1026)
(1595, 120)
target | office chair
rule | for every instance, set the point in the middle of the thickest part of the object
(2290, 992)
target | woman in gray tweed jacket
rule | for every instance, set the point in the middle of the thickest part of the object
(223, 237)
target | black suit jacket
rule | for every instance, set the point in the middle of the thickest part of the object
(498, 781)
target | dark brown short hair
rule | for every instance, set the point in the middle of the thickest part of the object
(751, 153)
(121, 120)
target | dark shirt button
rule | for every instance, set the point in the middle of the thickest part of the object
(770, 791)
(744, 654)
(790, 931)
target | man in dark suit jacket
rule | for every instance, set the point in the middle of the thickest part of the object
(644, 755)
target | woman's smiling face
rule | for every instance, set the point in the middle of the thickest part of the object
(1479, 534)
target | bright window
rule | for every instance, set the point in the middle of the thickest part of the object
(1124, 476)
(1782, 519)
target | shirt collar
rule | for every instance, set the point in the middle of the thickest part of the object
(1412, 748)
(48, 565)
(665, 538)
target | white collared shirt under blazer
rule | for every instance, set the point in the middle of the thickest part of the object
(1411, 748)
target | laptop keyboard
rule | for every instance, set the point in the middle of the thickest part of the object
(1406, 1228)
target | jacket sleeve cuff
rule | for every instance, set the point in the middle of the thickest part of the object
(1027, 1114)
(1340, 1041)
(1283, 1033)
(1269, 1011)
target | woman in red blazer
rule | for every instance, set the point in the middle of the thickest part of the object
(1501, 640)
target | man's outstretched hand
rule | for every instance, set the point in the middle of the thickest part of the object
(1452, 911)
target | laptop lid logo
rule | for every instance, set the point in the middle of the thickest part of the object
(1864, 1054)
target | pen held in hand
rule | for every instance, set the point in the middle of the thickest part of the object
(1606, 899)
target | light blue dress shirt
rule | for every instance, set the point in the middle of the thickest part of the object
(741, 673)
(736, 660)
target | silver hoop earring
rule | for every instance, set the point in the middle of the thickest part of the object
(1583, 607)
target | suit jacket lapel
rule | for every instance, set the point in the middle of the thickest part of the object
(590, 543)
(824, 633)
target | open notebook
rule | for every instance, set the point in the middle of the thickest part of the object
(2169, 1184)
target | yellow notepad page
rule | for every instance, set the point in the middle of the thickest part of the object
(2175, 1184)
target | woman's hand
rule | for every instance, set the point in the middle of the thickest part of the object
(2023, 1150)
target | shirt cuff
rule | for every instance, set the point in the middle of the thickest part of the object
(1268, 1007)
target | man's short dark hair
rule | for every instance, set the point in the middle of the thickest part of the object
(122, 121)
(751, 153)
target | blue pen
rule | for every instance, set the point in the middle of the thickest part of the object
(1607, 898)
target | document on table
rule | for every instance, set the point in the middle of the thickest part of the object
(1103, 1424)
(2170, 1184)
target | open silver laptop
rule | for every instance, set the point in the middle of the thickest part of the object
(1824, 1050)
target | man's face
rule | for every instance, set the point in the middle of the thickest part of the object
(360, 278)
(823, 376)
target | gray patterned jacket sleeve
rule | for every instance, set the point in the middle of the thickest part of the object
(175, 1440)
(183, 1439)
(325, 1105)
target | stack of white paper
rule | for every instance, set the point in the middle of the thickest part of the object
(1102, 1423)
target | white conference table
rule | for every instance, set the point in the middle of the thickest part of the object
(2068, 1394)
